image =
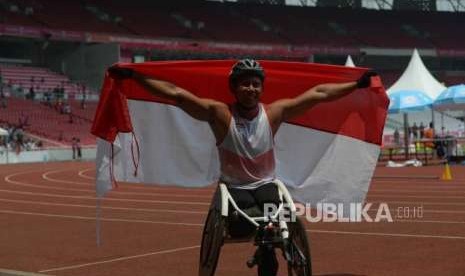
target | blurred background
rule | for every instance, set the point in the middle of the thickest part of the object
(53, 56)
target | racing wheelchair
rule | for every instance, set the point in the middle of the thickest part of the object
(267, 233)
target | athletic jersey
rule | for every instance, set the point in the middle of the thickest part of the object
(246, 153)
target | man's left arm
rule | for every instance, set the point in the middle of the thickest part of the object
(286, 109)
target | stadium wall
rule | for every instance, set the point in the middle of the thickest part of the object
(85, 62)
(44, 156)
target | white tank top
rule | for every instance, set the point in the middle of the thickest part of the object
(246, 153)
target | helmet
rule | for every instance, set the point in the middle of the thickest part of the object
(246, 67)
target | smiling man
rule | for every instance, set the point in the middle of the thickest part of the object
(245, 130)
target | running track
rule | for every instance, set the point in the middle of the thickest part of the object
(47, 225)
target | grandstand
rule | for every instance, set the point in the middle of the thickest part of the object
(52, 44)
(41, 79)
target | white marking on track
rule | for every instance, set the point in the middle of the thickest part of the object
(81, 174)
(20, 183)
(158, 210)
(430, 221)
(419, 191)
(46, 177)
(201, 225)
(154, 210)
(174, 250)
(421, 203)
(102, 219)
(386, 234)
(107, 198)
(412, 196)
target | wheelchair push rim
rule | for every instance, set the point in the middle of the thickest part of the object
(212, 241)
(301, 263)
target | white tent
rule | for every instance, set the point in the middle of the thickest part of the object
(417, 77)
(3, 132)
(349, 62)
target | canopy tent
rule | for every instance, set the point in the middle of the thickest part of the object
(404, 102)
(349, 62)
(3, 132)
(453, 98)
(417, 77)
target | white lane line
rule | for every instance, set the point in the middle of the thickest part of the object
(46, 177)
(457, 184)
(414, 196)
(102, 219)
(202, 203)
(419, 220)
(444, 211)
(201, 225)
(158, 210)
(154, 210)
(18, 183)
(82, 174)
(8, 179)
(116, 192)
(386, 234)
(419, 190)
(174, 250)
(107, 198)
(419, 203)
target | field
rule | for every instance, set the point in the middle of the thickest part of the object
(48, 226)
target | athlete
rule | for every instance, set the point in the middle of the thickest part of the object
(244, 131)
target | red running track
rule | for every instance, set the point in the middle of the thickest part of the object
(47, 225)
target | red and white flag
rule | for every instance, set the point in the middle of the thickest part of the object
(326, 155)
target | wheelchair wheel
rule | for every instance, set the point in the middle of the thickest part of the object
(300, 263)
(212, 240)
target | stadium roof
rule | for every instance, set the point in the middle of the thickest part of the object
(421, 5)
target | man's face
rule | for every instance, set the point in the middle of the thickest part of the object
(248, 90)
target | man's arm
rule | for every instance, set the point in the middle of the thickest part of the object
(214, 112)
(285, 109)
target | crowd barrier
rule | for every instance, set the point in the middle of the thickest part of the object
(45, 155)
(426, 150)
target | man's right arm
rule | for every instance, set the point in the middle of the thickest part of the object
(214, 112)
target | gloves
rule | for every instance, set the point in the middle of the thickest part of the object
(120, 73)
(365, 80)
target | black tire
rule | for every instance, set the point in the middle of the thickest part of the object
(212, 241)
(299, 243)
(268, 264)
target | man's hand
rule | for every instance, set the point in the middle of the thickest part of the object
(120, 73)
(365, 80)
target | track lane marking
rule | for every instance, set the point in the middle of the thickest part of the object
(153, 210)
(201, 225)
(387, 234)
(102, 219)
(8, 179)
(108, 198)
(174, 250)
(188, 212)
(412, 196)
(82, 174)
(46, 176)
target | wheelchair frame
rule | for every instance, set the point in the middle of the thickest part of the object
(221, 210)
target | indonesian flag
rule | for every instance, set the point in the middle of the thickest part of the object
(327, 154)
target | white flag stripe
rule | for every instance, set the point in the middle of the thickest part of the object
(174, 148)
